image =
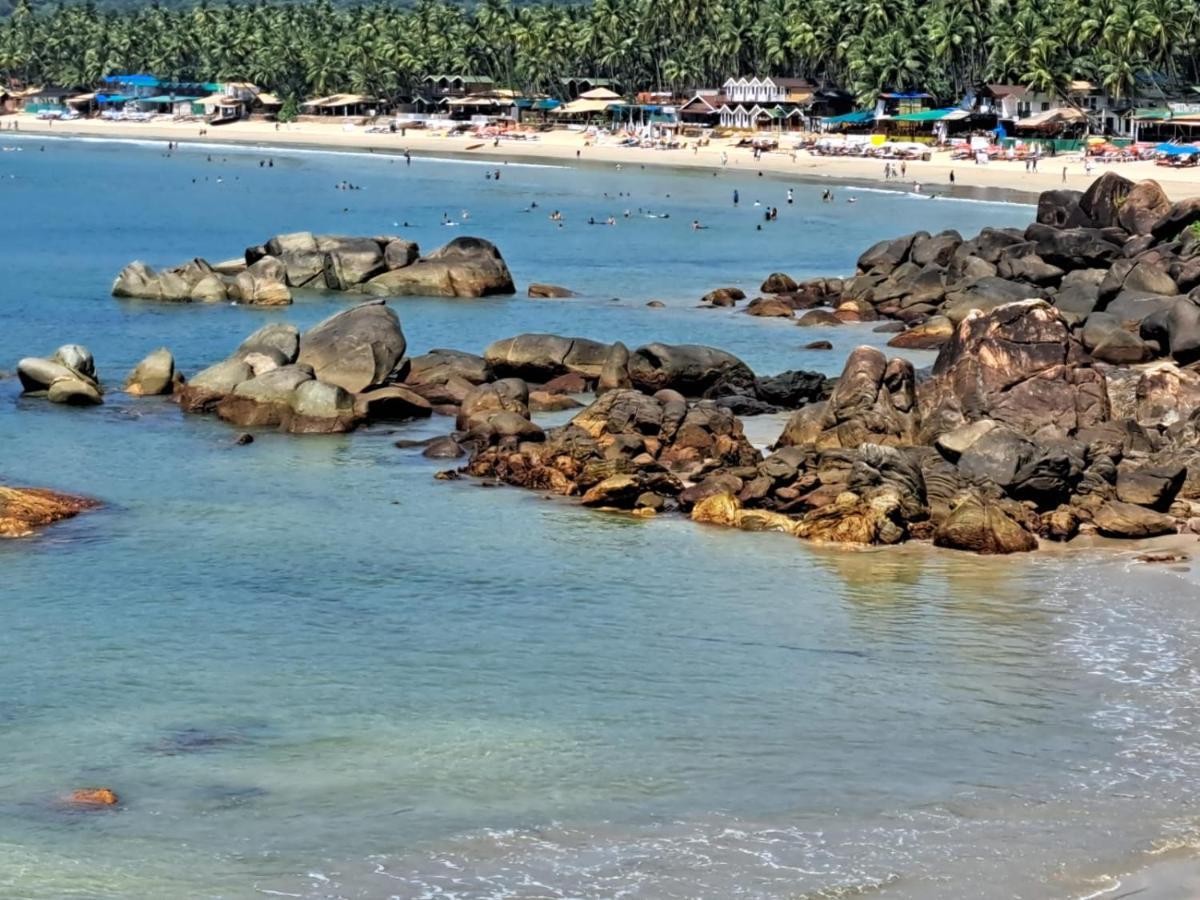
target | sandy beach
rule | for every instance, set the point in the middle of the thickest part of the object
(995, 180)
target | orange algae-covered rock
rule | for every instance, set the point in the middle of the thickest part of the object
(23, 509)
(94, 797)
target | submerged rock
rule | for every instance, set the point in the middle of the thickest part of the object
(24, 509)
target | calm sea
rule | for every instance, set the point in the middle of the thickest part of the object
(311, 670)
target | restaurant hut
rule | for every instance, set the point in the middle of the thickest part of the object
(574, 88)
(342, 106)
(591, 104)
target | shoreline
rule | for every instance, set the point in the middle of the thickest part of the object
(999, 181)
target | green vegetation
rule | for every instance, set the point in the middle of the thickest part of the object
(943, 46)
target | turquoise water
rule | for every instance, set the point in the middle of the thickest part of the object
(310, 669)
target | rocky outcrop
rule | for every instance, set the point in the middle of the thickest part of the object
(355, 349)
(874, 401)
(68, 377)
(384, 265)
(1121, 249)
(22, 510)
(1019, 365)
(342, 372)
(687, 368)
(540, 357)
(465, 267)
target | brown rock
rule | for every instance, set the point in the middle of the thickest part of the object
(24, 509)
(981, 526)
(94, 797)
(550, 292)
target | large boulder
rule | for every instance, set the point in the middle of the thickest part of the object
(687, 368)
(1177, 219)
(318, 407)
(277, 340)
(210, 386)
(264, 400)
(982, 526)
(1125, 520)
(1176, 329)
(885, 256)
(540, 357)
(154, 375)
(1019, 365)
(351, 262)
(1060, 208)
(1102, 201)
(302, 258)
(439, 366)
(874, 401)
(465, 267)
(1155, 486)
(1105, 337)
(1143, 207)
(398, 253)
(262, 284)
(1166, 396)
(355, 349)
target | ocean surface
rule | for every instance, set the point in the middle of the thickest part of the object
(311, 670)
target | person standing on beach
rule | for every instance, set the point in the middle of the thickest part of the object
(903, 169)
(952, 176)
(1064, 174)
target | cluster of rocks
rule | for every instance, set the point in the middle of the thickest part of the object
(69, 376)
(1018, 433)
(1120, 262)
(342, 372)
(384, 266)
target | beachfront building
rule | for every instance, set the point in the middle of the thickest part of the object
(750, 104)
(499, 103)
(590, 105)
(236, 100)
(573, 88)
(355, 106)
(47, 98)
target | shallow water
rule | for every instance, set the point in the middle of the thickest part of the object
(310, 669)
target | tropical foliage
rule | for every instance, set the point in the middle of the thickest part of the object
(943, 46)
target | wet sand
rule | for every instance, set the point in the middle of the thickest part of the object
(997, 180)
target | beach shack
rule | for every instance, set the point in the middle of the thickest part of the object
(591, 105)
(499, 103)
(48, 99)
(573, 87)
(342, 106)
(703, 109)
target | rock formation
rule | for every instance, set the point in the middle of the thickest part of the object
(384, 266)
(24, 509)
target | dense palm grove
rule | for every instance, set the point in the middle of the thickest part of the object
(943, 46)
